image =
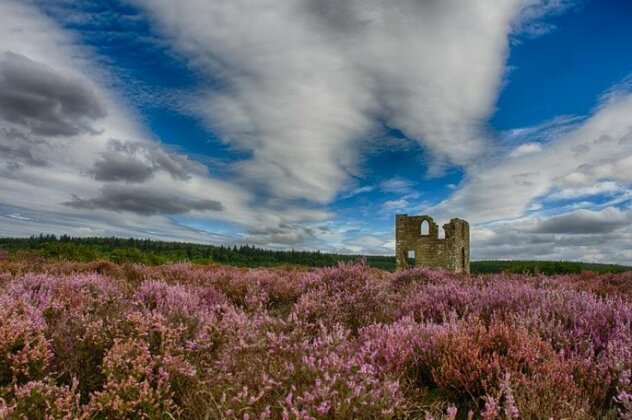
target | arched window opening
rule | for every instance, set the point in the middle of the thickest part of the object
(425, 228)
(463, 258)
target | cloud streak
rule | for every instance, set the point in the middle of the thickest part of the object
(584, 222)
(143, 201)
(136, 162)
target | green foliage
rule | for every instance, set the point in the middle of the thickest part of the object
(543, 267)
(150, 252)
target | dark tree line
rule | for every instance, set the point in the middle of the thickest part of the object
(147, 251)
(544, 267)
(151, 252)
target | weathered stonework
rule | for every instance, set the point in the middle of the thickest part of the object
(451, 252)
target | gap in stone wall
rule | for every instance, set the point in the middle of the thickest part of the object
(440, 223)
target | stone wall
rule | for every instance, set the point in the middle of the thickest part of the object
(451, 252)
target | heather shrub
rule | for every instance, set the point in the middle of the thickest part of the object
(104, 267)
(606, 375)
(81, 314)
(43, 400)
(437, 301)
(15, 267)
(624, 395)
(24, 350)
(135, 387)
(176, 302)
(394, 348)
(64, 295)
(179, 272)
(347, 294)
(274, 288)
(5, 278)
(474, 361)
(281, 289)
(146, 370)
(233, 285)
(421, 275)
(552, 313)
(299, 375)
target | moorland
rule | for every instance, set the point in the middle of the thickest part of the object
(107, 339)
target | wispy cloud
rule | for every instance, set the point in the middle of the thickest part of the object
(399, 186)
(391, 205)
(357, 191)
(525, 149)
(606, 187)
(504, 190)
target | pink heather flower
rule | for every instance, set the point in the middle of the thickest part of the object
(491, 410)
(5, 409)
(266, 413)
(510, 409)
(324, 407)
(624, 397)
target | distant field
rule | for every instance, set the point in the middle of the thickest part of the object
(144, 251)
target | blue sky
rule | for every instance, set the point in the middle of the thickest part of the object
(309, 124)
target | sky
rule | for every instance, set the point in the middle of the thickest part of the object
(308, 124)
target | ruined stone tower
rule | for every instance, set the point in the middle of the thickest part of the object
(417, 237)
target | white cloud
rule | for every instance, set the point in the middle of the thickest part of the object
(391, 205)
(597, 150)
(606, 187)
(397, 185)
(525, 149)
(617, 168)
(303, 82)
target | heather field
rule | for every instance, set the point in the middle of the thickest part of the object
(183, 341)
